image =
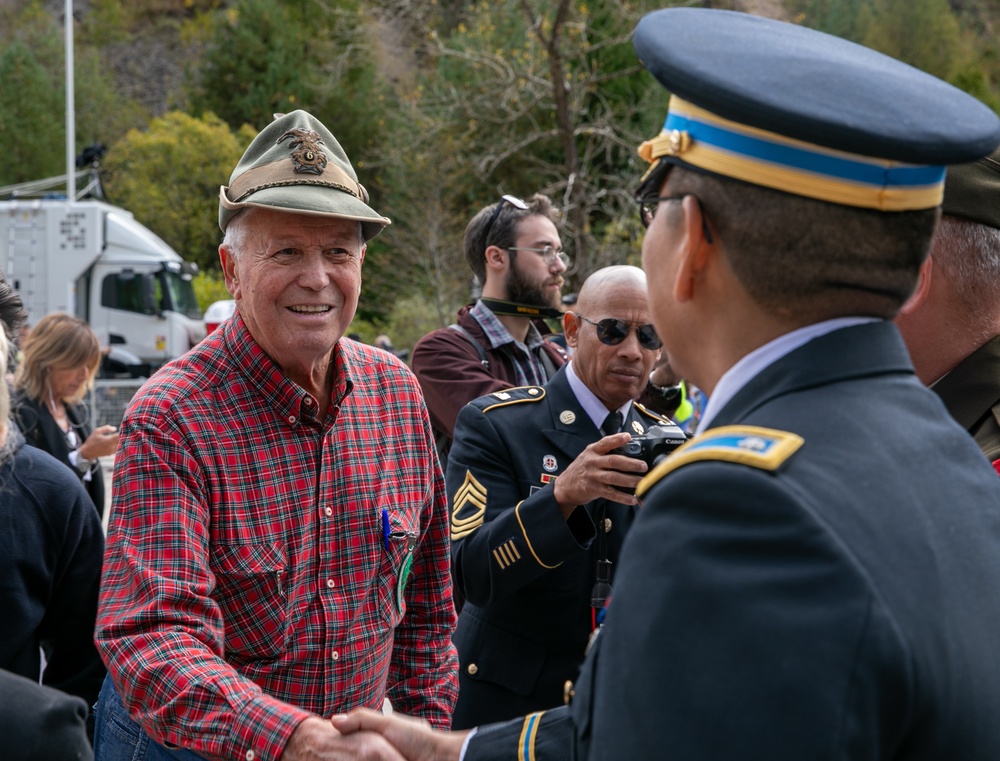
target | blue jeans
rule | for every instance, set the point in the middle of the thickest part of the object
(118, 738)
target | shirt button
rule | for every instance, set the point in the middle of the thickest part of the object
(328, 510)
(251, 755)
(291, 419)
(331, 583)
(308, 400)
(335, 655)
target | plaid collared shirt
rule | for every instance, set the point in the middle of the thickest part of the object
(248, 582)
(527, 366)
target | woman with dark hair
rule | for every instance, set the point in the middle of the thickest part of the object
(61, 357)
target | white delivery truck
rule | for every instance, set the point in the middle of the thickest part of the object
(95, 260)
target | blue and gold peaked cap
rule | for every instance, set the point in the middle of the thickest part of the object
(796, 110)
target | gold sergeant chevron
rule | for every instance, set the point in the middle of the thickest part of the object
(470, 493)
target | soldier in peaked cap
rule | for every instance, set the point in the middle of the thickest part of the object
(951, 324)
(815, 574)
(282, 553)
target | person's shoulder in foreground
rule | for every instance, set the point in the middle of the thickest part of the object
(816, 574)
(39, 723)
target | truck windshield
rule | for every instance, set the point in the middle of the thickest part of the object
(178, 294)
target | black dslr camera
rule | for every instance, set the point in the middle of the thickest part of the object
(654, 444)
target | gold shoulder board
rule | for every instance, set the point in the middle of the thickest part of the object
(508, 396)
(763, 448)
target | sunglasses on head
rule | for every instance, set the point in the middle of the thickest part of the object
(514, 201)
(612, 332)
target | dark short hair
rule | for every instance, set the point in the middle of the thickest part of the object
(503, 231)
(812, 260)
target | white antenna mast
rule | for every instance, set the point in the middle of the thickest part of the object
(70, 109)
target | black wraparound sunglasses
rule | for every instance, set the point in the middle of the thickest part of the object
(612, 332)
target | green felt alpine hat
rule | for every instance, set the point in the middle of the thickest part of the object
(972, 191)
(295, 164)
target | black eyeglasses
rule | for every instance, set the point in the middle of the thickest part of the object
(648, 204)
(514, 201)
(612, 332)
(549, 254)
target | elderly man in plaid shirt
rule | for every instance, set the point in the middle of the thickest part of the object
(278, 548)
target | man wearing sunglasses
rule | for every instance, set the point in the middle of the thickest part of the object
(538, 508)
(514, 250)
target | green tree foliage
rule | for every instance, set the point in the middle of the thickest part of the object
(32, 106)
(169, 175)
(522, 97)
(955, 40)
(924, 33)
(209, 287)
(257, 63)
(31, 128)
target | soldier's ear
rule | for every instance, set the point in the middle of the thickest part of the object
(922, 289)
(571, 328)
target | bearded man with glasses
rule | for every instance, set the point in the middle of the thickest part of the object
(498, 342)
(540, 505)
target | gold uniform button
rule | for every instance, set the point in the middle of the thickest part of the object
(568, 692)
(473, 669)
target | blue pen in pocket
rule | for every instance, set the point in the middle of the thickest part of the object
(386, 529)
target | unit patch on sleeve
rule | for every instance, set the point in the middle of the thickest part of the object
(763, 448)
(472, 495)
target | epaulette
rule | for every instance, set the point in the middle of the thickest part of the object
(763, 448)
(654, 415)
(509, 396)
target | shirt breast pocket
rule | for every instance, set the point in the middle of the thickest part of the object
(250, 581)
(399, 547)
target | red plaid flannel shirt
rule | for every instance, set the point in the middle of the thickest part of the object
(246, 582)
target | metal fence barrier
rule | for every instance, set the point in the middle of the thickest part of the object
(109, 399)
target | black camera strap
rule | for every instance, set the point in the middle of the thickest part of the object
(602, 582)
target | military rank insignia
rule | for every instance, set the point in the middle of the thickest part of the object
(506, 554)
(468, 507)
(763, 448)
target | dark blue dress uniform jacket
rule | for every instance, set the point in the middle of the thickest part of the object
(840, 601)
(526, 573)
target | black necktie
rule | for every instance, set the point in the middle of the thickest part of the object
(612, 423)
